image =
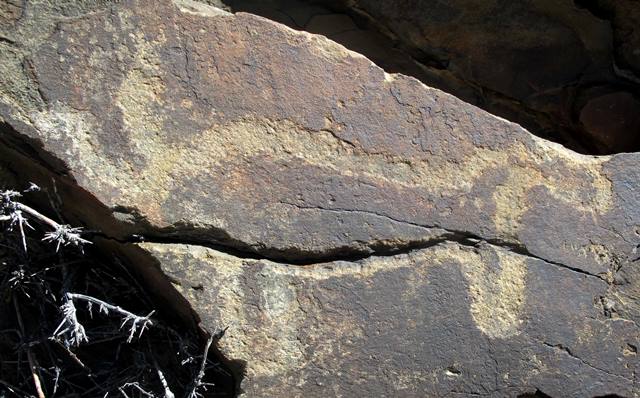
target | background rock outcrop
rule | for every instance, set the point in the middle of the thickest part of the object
(553, 67)
(359, 233)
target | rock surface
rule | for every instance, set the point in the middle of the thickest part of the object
(446, 320)
(534, 62)
(381, 237)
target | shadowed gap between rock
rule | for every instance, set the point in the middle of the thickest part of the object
(27, 158)
(27, 163)
(298, 258)
(591, 106)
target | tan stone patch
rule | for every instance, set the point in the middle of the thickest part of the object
(497, 294)
(287, 141)
(270, 344)
(600, 253)
(199, 8)
(552, 153)
(511, 201)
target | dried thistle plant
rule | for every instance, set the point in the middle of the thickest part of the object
(71, 327)
(50, 289)
(14, 211)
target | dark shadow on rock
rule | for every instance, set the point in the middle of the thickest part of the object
(60, 195)
(594, 110)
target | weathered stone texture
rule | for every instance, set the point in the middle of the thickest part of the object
(197, 126)
(536, 62)
(171, 115)
(448, 319)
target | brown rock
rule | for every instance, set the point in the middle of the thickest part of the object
(434, 322)
(625, 20)
(613, 120)
(193, 125)
(198, 131)
(523, 60)
(10, 12)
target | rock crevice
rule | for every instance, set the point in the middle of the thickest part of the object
(483, 54)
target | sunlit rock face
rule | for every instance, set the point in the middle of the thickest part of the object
(538, 63)
(360, 233)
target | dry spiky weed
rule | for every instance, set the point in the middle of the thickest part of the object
(74, 323)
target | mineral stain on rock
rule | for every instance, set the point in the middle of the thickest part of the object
(497, 293)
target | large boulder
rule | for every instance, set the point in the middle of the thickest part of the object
(449, 319)
(371, 235)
